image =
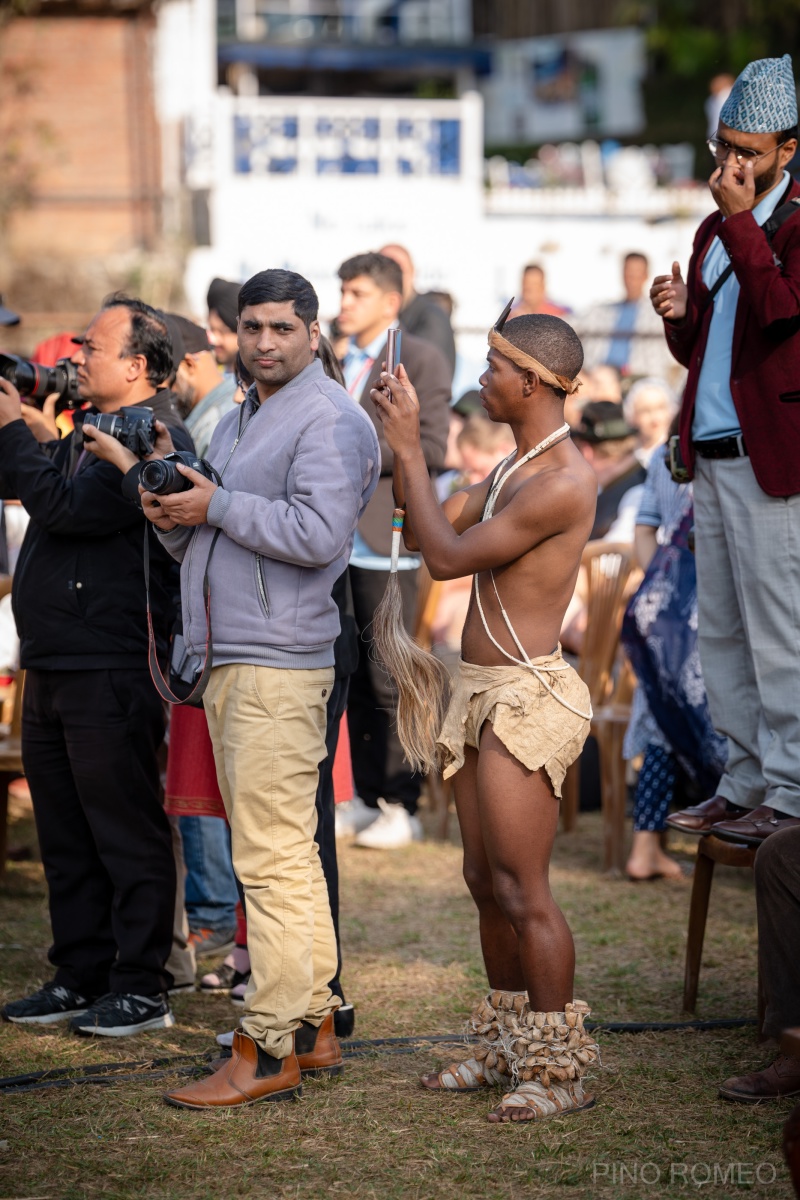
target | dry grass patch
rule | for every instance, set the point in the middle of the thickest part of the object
(412, 967)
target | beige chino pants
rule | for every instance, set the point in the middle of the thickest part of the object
(267, 727)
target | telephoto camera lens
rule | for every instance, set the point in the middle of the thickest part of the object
(36, 381)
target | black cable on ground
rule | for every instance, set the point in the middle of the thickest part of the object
(105, 1074)
(668, 1026)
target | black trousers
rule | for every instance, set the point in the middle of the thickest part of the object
(777, 876)
(89, 746)
(379, 766)
(326, 819)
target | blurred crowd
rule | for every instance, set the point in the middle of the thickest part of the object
(620, 419)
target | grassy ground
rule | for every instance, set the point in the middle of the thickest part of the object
(413, 968)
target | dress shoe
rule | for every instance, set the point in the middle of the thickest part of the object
(248, 1076)
(752, 829)
(780, 1078)
(317, 1049)
(701, 817)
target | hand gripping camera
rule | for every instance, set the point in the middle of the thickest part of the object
(162, 476)
(134, 426)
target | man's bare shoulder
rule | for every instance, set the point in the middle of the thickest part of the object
(566, 482)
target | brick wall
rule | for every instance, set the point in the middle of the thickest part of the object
(541, 18)
(83, 107)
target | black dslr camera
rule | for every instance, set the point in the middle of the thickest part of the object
(162, 476)
(135, 427)
(37, 382)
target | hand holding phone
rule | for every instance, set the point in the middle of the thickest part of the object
(394, 338)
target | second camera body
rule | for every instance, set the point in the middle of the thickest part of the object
(134, 426)
(162, 476)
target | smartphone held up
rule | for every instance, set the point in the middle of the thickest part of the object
(394, 339)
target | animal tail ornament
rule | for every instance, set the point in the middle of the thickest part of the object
(422, 681)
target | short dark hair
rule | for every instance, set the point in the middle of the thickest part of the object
(787, 134)
(280, 287)
(551, 341)
(381, 269)
(148, 336)
(533, 267)
(637, 254)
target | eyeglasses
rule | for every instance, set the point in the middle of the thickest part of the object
(720, 150)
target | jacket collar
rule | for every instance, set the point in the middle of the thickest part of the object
(313, 372)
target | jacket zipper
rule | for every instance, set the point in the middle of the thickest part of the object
(262, 587)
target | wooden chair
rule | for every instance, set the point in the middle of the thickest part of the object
(607, 566)
(710, 851)
(10, 765)
(609, 724)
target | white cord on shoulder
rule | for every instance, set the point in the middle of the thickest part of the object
(525, 661)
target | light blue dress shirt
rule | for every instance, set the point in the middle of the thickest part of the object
(715, 413)
(357, 367)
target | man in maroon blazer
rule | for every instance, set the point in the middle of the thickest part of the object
(734, 324)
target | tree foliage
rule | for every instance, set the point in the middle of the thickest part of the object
(695, 37)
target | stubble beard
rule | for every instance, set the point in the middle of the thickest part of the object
(764, 182)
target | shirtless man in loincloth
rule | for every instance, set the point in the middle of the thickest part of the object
(519, 714)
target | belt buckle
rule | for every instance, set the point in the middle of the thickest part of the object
(740, 445)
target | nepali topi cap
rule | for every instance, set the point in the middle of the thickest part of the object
(763, 99)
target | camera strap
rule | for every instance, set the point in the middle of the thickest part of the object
(161, 684)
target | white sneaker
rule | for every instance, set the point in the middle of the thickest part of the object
(352, 816)
(394, 827)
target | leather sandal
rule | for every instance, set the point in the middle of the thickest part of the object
(487, 1068)
(533, 1101)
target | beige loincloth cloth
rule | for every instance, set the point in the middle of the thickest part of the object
(531, 723)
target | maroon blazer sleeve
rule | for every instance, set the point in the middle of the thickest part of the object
(772, 288)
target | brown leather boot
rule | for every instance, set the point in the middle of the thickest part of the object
(781, 1078)
(317, 1049)
(248, 1076)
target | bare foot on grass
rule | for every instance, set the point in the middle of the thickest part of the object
(648, 861)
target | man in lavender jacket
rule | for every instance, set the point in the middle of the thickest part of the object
(298, 462)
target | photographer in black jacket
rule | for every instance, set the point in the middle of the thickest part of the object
(92, 719)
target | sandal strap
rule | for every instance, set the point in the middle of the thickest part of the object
(542, 1101)
(472, 1074)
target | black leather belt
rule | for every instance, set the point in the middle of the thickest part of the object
(725, 447)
